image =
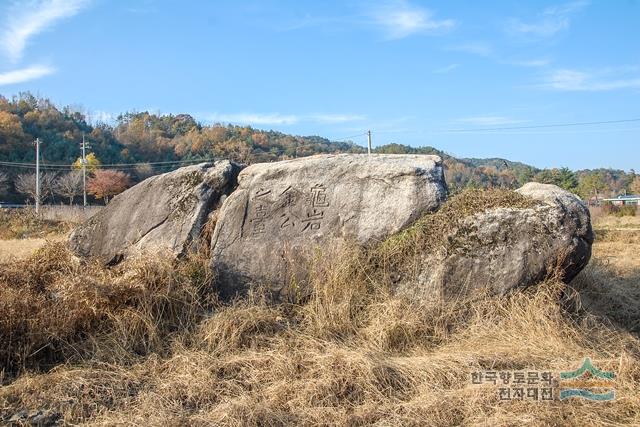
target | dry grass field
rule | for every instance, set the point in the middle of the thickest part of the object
(147, 343)
(22, 233)
(21, 248)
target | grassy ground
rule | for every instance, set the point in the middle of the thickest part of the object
(25, 224)
(145, 344)
(21, 248)
(22, 232)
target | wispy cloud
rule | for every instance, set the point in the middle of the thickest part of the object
(25, 19)
(254, 118)
(489, 120)
(400, 19)
(446, 69)
(531, 63)
(142, 7)
(474, 47)
(591, 81)
(281, 119)
(550, 22)
(335, 118)
(310, 21)
(100, 116)
(25, 74)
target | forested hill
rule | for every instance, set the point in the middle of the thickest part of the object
(141, 140)
(141, 137)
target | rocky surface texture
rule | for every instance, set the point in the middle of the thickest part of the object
(281, 213)
(279, 218)
(508, 247)
(162, 213)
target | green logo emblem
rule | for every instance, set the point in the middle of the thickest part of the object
(587, 382)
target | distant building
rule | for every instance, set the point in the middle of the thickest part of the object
(624, 200)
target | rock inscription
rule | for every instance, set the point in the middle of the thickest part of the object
(282, 213)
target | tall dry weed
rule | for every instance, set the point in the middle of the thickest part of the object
(144, 344)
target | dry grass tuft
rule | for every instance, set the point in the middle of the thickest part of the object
(430, 232)
(24, 223)
(144, 344)
(53, 308)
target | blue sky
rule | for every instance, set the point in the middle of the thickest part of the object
(414, 72)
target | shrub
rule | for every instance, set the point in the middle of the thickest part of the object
(619, 211)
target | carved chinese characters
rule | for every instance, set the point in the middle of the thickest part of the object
(283, 212)
(293, 210)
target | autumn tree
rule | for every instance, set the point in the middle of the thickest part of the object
(591, 184)
(562, 177)
(143, 171)
(107, 183)
(634, 186)
(93, 163)
(69, 185)
(11, 134)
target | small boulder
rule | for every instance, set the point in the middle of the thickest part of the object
(282, 212)
(165, 212)
(36, 417)
(507, 247)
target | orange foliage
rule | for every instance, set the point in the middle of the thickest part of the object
(107, 183)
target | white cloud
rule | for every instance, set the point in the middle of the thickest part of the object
(533, 63)
(254, 118)
(142, 7)
(336, 118)
(550, 22)
(446, 69)
(604, 80)
(400, 19)
(281, 119)
(475, 47)
(489, 120)
(25, 74)
(100, 116)
(23, 20)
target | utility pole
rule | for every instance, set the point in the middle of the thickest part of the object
(84, 172)
(369, 142)
(37, 175)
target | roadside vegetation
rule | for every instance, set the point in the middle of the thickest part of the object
(24, 223)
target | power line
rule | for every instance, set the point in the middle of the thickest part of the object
(158, 163)
(69, 168)
(541, 126)
(107, 165)
(347, 137)
(570, 131)
(173, 163)
(555, 125)
(17, 163)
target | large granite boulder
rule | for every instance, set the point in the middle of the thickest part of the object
(507, 247)
(282, 213)
(162, 213)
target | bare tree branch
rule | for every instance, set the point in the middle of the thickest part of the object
(69, 185)
(26, 184)
(4, 183)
